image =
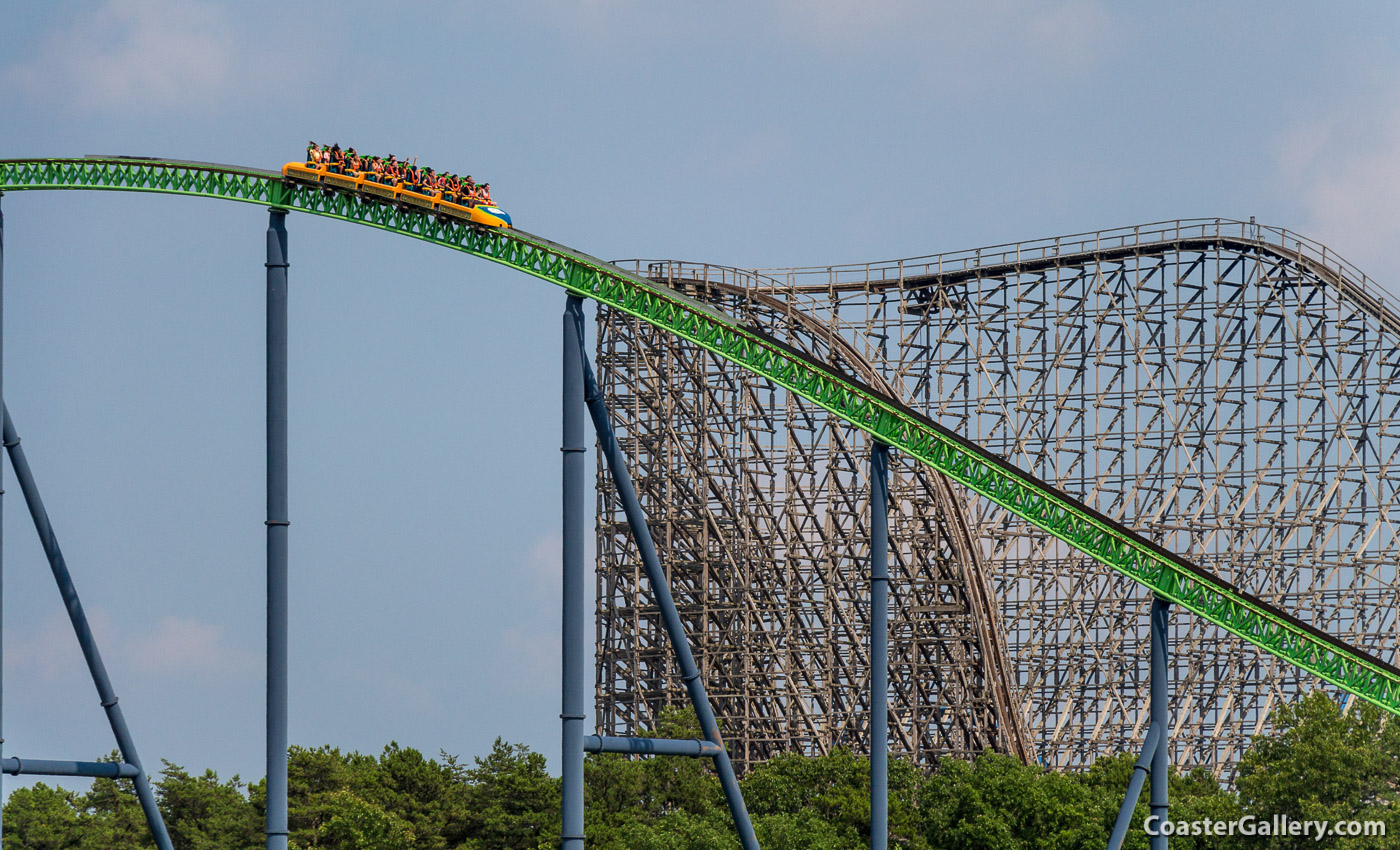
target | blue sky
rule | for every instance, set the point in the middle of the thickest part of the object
(424, 384)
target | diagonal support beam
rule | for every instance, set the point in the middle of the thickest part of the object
(76, 615)
(675, 630)
(1161, 717)
(1144, 764)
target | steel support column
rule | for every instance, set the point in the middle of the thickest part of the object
(78, 618)
(879, 645)
(675, 630)
(2, 502)
(1160, 717)
(573, 695)
(276, 824)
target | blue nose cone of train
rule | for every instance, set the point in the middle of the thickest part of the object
(499, 213)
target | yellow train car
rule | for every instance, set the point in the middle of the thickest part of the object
(320, 174)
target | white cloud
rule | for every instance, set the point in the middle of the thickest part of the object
(1342, 165)
(540, 567)
(143, 55)
(541, 564)
(1065, 35)
(176, 645)
(391, 685)
(749, 152)
(186, 646)
(51, 651)
(601, 22)
(531, 644)
(973, 44)
(837, 22)
(531, 652)
(1077, 33)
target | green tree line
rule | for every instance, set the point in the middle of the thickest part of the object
(1321, 763)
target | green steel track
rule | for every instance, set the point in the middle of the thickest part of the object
(1109, 542)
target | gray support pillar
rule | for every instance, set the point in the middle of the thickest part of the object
(675, 630)
(1157, 801)
(879, 646)
(573, 695)
(2, 500)
(74, 606)
(276, 824)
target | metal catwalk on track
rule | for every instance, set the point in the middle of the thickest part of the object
(1228, 389)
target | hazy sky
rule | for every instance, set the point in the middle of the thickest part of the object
(424, 384)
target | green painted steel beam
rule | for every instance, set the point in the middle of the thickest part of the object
(1106, 541)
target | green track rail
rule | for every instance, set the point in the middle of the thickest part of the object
(1107, 541)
